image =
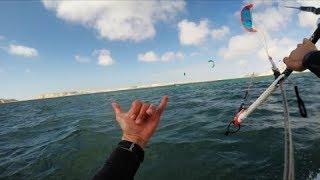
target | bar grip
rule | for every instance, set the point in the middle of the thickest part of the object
(316, 35)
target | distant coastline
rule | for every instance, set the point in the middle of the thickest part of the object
(2, 101)
(85, 92)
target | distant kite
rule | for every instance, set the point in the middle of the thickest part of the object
(212, 63)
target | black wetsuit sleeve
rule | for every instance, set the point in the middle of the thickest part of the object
(311, 61)
(122, 164)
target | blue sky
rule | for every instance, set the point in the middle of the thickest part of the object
(53, 46)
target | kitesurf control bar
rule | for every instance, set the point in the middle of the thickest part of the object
(263, 97)
(260, 99)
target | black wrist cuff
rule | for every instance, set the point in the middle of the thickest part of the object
(132, 147)
(307, 58)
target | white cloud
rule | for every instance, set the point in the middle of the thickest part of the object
(22, 51)
(278, 48)
(247, 51)
(82, 59)
(259, 3)
(170, 56)
(240, 45)
(220, 32)
(314, 3)
(249, 44)
(242, 62)
(149, 56)
(191, 33)
(104, 57)
(307, 19)
(192, 54)
(273, 18)
(27, 70)
(117, 20)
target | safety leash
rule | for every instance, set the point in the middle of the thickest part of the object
(301, 106)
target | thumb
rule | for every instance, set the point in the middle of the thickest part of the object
(116, 108)
(163, 104)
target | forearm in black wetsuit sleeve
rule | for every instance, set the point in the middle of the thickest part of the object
(122, 164)
(311, 61)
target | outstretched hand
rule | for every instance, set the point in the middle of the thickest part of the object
(141, 121)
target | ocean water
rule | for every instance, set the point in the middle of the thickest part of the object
(70, 137)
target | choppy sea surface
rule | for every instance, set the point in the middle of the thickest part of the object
(70, 137)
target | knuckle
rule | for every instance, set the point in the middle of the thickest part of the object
(136, 102)
(145, 105)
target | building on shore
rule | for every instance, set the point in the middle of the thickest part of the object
(2, 101)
